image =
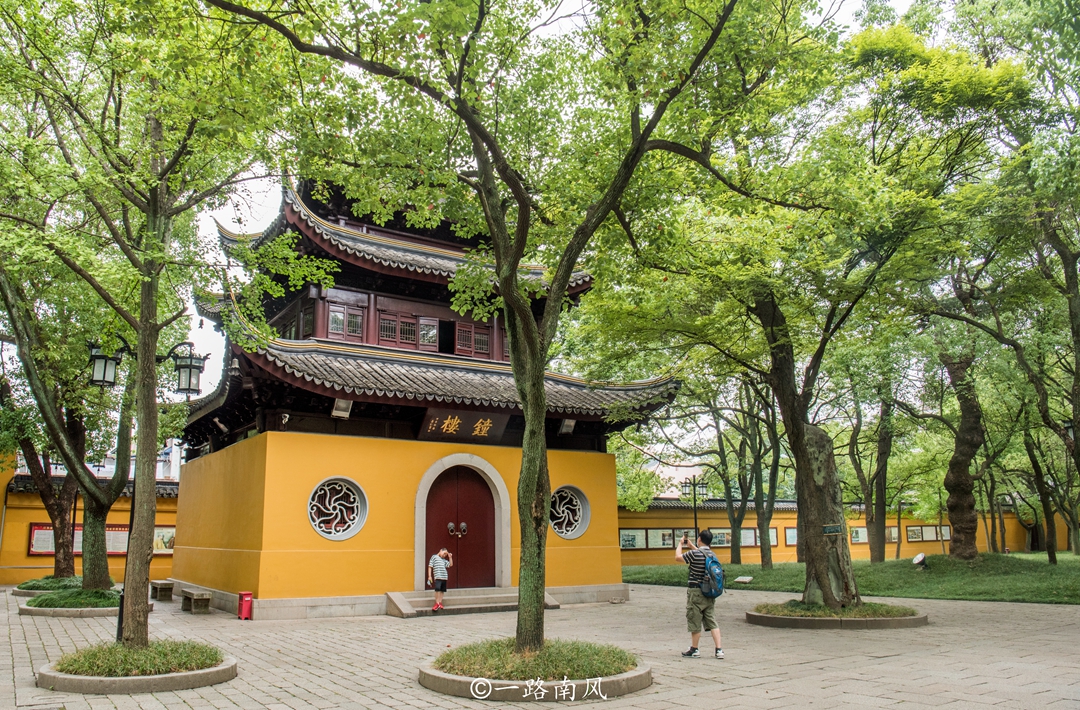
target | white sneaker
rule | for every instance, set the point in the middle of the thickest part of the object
(719, 653)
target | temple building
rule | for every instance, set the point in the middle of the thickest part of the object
(381, 426)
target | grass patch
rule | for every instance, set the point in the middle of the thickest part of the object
(989, 577)
(114, 660)
(496, 660)
(51, 583)
(866, 610)
(77, 599)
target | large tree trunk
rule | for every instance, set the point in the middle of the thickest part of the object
(958, 480)
(144, 501)
(534, 503)
(830, 577)
(95, 553)
(875, 524)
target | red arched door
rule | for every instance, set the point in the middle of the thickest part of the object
(461, 497)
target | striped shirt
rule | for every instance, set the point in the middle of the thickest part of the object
(696, 560)
(438, 565)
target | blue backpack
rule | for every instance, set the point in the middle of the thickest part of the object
(712, 584)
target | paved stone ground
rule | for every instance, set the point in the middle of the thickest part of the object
(972, 655)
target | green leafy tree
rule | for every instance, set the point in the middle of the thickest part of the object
(475, 112)
(141, 114)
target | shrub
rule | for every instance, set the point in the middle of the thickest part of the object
(496, 660)
(114, 660)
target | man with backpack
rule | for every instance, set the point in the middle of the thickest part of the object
(705, 583)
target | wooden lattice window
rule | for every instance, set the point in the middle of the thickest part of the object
(345, 323)
(428, 334)
(481, 340)
(396, 330)
(463, 342)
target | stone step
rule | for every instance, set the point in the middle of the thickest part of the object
(465, 609)
(457, 601)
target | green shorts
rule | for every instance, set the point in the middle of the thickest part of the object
(699, 611)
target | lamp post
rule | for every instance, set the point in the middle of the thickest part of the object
(693, 486)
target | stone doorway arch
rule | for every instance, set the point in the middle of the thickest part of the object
(499, 492)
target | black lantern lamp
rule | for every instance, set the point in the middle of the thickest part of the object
(189, 367)
(103, 367)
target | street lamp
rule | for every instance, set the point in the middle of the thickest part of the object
(189, 367)
(187, 364)
(695, 486)
(102, 366)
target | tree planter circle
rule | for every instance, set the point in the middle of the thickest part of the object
(69, 613)
(807, 622)
(508, 691)
(29, 592)
(51, 679)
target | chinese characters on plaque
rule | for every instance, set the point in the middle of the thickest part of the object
(457, 425)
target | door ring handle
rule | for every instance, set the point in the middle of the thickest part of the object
(464, 530)
(450, 529)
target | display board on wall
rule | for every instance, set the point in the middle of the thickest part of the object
(42, 541)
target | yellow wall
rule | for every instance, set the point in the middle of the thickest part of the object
(666, 518)
(22, 509)
(263, 484)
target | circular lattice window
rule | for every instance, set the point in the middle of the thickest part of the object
(337, 508)
(569, 512)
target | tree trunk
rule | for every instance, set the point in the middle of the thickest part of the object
(991, 496)
(765, 512)
(899, 514)
(736, 543)
(144, 501)
(830, 577)
(875, 524)
(534, 502)
(958, 480)
(95, 550)
(57, 501)
(1044, 497)
(95, 554)
(1001, 525)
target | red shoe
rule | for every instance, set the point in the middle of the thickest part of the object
(436, 607)
(441, 607)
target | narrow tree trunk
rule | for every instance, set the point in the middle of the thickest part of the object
(96, 573)
(1001, 525)
(763, 519)
(991, 493)
(736, 543)
(765, 513)
(899, 530)
(958, 480)
(534, 502)
(1044, 496)
(1074, 538)
(875, 527)
(141, 536)
(95, 554)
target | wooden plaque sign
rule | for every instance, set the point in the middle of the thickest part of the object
(832, 529)
(456, 425)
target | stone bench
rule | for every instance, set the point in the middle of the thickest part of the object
(195, 602)
(161, 590)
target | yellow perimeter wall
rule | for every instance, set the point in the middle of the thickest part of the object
(243, 523)
(1015, 535)
(22, 509)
